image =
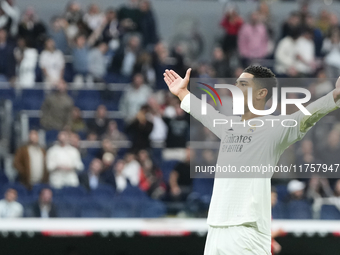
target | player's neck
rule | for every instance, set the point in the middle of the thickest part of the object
(249, 115)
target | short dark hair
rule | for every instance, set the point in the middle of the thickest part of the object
(266, 76)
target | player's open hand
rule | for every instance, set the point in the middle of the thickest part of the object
(177, 85)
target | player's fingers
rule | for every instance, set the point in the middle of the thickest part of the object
(174, 74)
(167, 81)
(187, 75)
(166, 76)
(170, 75)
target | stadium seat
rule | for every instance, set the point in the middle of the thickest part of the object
(74, 192)
(299, 209)
(66, 209)
(32, 99)
(153, 209)
(88, 99)
(329, 212)
(167, 167)
(3, 179)
(282, 192)
(103, 190)
(93, 209)
(126, 208)
(279, 211)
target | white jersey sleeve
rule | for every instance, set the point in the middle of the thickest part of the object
(318, 109)
(191, 104)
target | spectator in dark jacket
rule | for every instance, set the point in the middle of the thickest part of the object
(7, 59)
(93, 177)
(148, 24)
(32, 29)
(140, 130)
(99, 124)
(30, 162)
(44, 207)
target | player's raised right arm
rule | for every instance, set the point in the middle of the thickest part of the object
(190, 103)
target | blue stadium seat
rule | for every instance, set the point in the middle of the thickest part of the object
(279, 211)
(66, 209)
(329, 212)
(167, 167)
(93, 209)
(72, 192)
(88, 99)
(126, 208)
(153, 209)
(282, 192)
(3, 179)
(32, 99)
(8, 93)
(94, 152)
(51, 136)
(87, 160)
(299, 209)
(132, 192)
(102, 191)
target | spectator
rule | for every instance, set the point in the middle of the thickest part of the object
(160, 61)
(132, 169)
(58, 34)
(232, 23)
(80, 55)
(99, 124)
(52, 63)
(337, 188)
(322, 85)
(296, 190)
(97, 62)
(316, 34)
(180, 183)
(318, 187)
(111, 31)
(323, 21)
(178, 126)
(112, 133)
(145, 66)
(125, 59)
(305, 54)
(33, 30)
(331, 50)
(134, 97)
(290, 26)
(74, 17)
(147, 25)
(9, 207)
(63, 161)
(221, 64)
(57, 109)
(118, 176)
(29, 160)
(286, 55)
(10, 17)
(151, 176)
(94, 17)
(330, 154)
(44, 207)
(253, 40)
(129, 16)
(7, 59)
(160, 129)
(27, 58)
(93, 177)
(140, 129)
(78, 124)
(107, 147)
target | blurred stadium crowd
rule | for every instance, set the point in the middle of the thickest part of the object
(109, 65)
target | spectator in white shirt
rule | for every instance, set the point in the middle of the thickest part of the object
(132, 169)
(9, 207)
(27, 58)
(94, 17)
(63, 161)
(331, 49)
(305, 50)
(97, 62)
(134, 97)
(52, 63)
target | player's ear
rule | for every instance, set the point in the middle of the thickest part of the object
(262, 93)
